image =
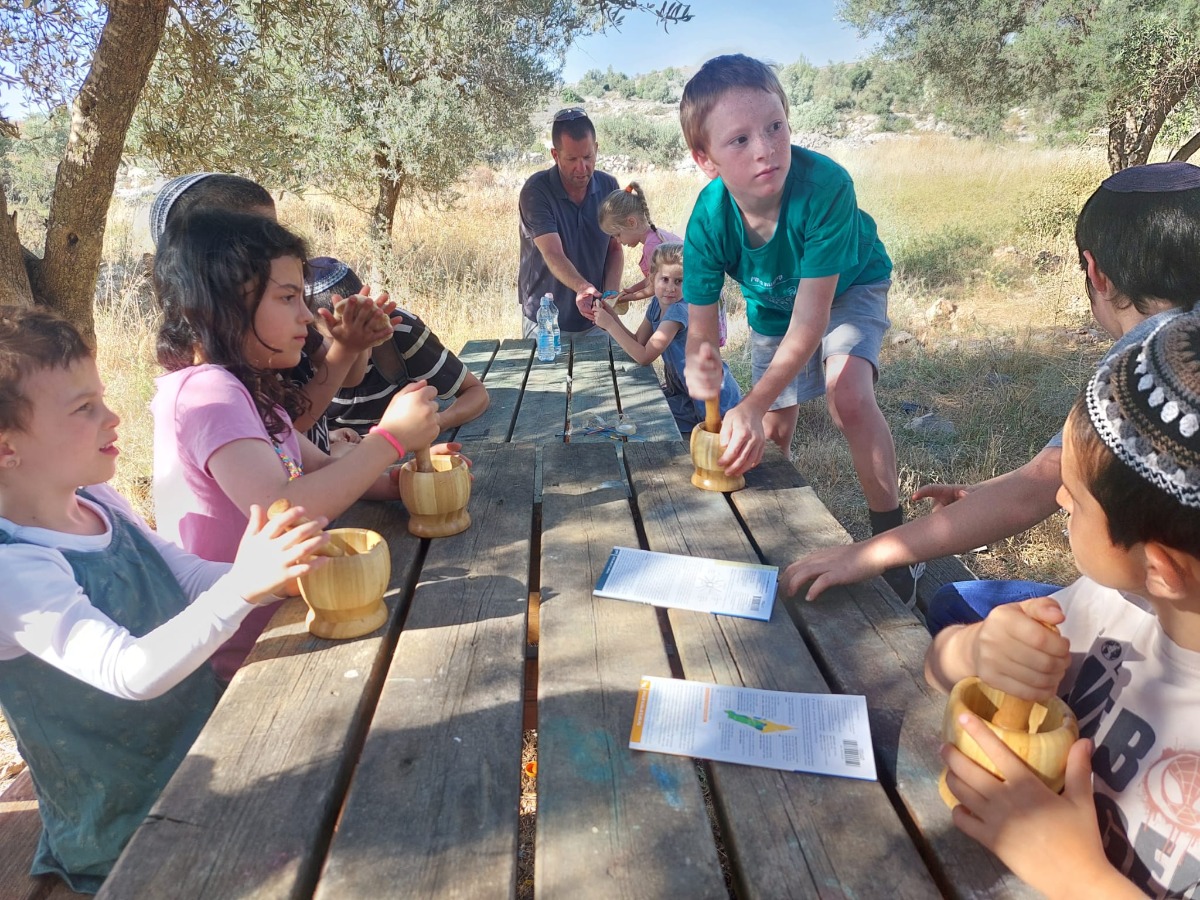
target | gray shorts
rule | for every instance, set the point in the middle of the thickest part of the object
(857, 322)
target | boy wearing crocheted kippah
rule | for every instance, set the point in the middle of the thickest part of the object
(1127, 655)
(1138, 238)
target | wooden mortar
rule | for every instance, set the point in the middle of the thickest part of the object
(345, 596)
(706, 450)
(435, 490)
(1041, 734)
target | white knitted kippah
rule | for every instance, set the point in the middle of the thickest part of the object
(1145, 405)
(165, 199)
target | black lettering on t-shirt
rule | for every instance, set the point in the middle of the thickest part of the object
(1118, 756)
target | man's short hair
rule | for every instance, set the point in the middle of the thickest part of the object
(716, 77)
(574, 123)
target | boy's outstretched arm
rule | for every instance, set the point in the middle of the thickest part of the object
(702, 368)
(1050, 841)
(742, 430)
(995, 509)
(470, 402)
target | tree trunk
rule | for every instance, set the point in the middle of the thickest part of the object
(14, 280)
(1131, 136)
(65, 278)
(1184, 153)
(390, 184)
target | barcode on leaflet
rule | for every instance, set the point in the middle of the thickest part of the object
(756, 601)
(851, 754)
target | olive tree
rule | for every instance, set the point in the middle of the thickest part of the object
(397, 93)
(1119, 65)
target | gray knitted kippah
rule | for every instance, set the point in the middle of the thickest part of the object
(167, 195)
(1154, 178)
(1145, 405)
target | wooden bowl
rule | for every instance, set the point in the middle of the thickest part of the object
(708, 475)
(1044, 751)
(345, 596)
(437, 500)
(618, 308)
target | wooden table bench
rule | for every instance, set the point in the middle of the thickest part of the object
(390, 765)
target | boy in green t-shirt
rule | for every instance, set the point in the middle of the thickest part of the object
(785, 224)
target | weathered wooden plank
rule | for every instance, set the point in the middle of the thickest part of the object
(788, 834)
(593, 393)
(867, 643)
(642, 399)
(505, 379)
(432, 811)
(477, 357)
(250, 810)
(542, 417)
(611, 822)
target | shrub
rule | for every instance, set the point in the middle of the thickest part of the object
(816, 115)
(569, 95)
(890, 122)
(938, 258)
(657, 141)
(1051, 210)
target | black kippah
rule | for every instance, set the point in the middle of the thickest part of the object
(1155, 178)
(323, 273)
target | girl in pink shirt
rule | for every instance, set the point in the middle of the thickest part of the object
(231, 288)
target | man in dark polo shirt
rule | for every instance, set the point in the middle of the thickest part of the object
(563, 250)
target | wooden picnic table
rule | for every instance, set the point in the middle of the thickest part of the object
(390, 765)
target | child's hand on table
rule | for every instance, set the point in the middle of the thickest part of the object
(275, 552)
(1016, 653)
(1050, 841)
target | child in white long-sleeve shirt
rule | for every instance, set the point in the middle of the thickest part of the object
(105, 628)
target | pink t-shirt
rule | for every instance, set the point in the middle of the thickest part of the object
(650, 243)
(197, 411)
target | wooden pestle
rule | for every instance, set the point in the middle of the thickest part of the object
(424, 463)
(335, 547)
(1013, 712)
(712, 415)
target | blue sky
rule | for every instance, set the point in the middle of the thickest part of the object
(779, 31)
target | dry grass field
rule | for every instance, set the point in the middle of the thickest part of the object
(990, 327)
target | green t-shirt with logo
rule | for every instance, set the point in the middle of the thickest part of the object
(821, 231)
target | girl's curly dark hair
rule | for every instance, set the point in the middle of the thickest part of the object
(210, 274)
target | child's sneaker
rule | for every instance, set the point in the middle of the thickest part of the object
(903, 580)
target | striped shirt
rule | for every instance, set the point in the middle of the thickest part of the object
(423, 357)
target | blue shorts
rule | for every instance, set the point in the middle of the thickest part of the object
(857, 322)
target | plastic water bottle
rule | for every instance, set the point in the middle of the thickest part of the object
(547, 325)
(554, 332)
